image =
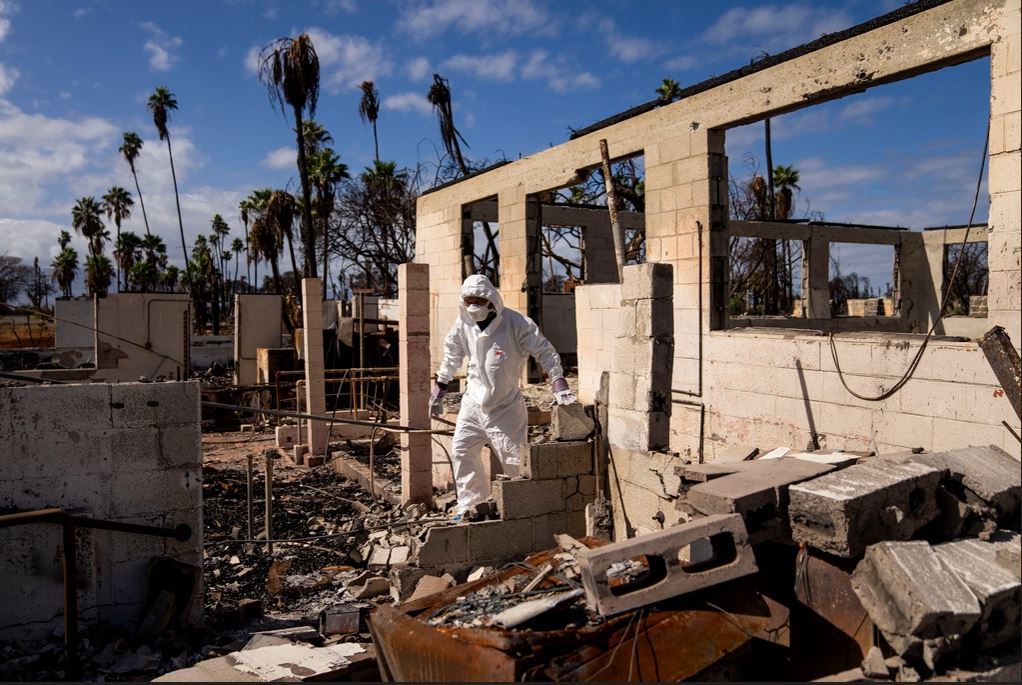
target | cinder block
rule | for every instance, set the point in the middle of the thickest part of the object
(546, 460)
(759, 494)
(545, 527)
(443, 545)
(843, 512)
(998, 590)
(501, 541)
(570, 422)
(919, 604)
(990, 472)
(667, 575)
(524, 498)
(287, 436)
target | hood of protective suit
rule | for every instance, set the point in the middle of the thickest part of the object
(480, 286)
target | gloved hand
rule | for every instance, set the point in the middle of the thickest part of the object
(436, 401)
(562, 393)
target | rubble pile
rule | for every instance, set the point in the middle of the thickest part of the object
(344, 542)
(907, 563)
(934, 535)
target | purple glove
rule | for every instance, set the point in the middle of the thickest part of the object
(436, 401)
(562, 393)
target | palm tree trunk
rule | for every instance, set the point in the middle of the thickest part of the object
(177, 200)
(140, 202)
(376, 142)
(117, 260)
(255, 275)
(308, 238)
(294, 264)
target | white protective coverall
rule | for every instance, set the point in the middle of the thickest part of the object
(492, 407)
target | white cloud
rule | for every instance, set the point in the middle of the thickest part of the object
(681, 63)
(408, 102)
(347, 60)
(252, 60)
(81, 12)
(161, 47)
(774, 27)
(626, 48)
(47, 162)
(417, 69)
(8, 75)
(816, 173)
(427, 18)
(346, 6)
(497, 66)
(557, 74)
(6, 9)
(281, 158)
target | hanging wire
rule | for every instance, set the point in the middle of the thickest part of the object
(940, 313)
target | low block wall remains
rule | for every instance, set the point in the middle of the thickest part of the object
(126, 452)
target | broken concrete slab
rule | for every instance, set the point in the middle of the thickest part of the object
(989, 472)
(759, 493)
(297, 661)
(570, 422)
(873, 666)
(403, 580)
(843, 512)
(374, 586)
(919, 604)
(667, 574)
(700, 473)
(998, 590)
(430, 585)
(734, 453)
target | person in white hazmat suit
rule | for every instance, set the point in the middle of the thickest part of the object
(497, 343)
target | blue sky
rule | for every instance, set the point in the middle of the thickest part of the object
(74, 74)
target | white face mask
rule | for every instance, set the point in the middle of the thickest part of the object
(478, 312)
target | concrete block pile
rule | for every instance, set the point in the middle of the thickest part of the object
(935, 538)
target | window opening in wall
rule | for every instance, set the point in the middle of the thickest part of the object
(480, 239)
(563, 266)
(765, 278)
(856, 181)
(588, 242)
(862, 280)
(969, 293)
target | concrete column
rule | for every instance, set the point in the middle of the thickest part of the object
(642, 366)
(312, 339)
(414, 377)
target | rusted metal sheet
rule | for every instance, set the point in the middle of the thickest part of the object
(672, 640)
(408, 650)
(836, 632)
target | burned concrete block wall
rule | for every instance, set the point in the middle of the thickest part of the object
(765, 386)
(121, 452)
(257, 324)
(142, 334)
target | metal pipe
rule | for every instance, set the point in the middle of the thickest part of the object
(72, 667)
(268, 454)
(68, 525)
(250, 483)
(394, 428)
